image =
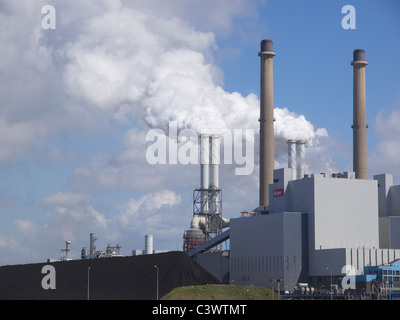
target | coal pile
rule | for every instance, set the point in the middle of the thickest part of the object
(122, 278)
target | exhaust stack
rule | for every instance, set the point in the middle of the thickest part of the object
(215, 159)
(207, 221)
(205, 171)
(297, 158)
(292, 163)
(266, 121)
(93, 239)
(301, 158)
(360, 161)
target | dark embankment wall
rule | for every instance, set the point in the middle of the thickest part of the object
(133, 277)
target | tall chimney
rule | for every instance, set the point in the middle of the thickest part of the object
(93, 239)
(360, 162)
(205, 170)
(215, 159)
(292, 158)
(301, 158)
(266, 121)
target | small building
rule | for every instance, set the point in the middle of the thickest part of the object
(383, 280)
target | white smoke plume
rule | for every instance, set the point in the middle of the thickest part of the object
(163, 72)
(125, 60)
(122, 68)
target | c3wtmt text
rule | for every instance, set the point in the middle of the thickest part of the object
(201, 309)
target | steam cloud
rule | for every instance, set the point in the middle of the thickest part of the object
(163, 72)
(142, 65)
(126, 61)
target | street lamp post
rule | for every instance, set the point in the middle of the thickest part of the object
(88, 277)
(341, 291)
(331, 281)
(157, 280)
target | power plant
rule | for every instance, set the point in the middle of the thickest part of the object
(309, 229)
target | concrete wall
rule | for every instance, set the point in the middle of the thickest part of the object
(395, 201)
(385, 181)
(389, 232)
(268, 247)
(342, 212)
(217, 263)
(389, 212)
(322, 262)
(346, 213)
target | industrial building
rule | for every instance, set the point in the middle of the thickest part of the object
(307, 227)
(384, 277)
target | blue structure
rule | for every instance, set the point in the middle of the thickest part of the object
(389, 275)
(386, 279)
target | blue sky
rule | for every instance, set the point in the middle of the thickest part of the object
(77, 102)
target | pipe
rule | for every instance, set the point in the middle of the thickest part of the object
(225, 222)
(266, 121)
(205, 168)
(67, 244)
(205, 160)
(198, 223)
(93, 239)
(292, 158)
(300, 158)
(215, 159)
(360, 161)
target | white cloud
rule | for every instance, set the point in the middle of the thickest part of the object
(70, 215)
(140, 63)
(66, 199)
(145, 212)
(385, 158)
(12, 251)
(70, 223)
(122, 60)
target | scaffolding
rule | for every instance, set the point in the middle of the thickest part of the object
(208, 203)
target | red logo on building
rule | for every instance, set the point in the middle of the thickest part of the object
(278, 193)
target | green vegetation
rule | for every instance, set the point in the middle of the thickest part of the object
(220, 292)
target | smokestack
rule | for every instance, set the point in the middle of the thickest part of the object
(214, 169)
(67, 243)
(93, 239)
(148, 244)
(204, 160)
(360, 162)
(301, 158)
(292, 157)
(266, 121)
(204, 173)
(214, 174)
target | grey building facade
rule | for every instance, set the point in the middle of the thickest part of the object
(315, 227)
